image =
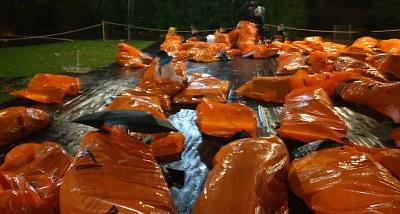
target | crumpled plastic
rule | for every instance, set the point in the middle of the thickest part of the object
(383, 97)
(389, 65)
(49, 88)
(289, 63)
(344, 180)
(203, 86)
(31, 177)
(387, 157)
(172, 43)
(390, 46)
(151, 105)
(249, 177)
(18, 123)
(345, 63)
(168, 147)
(309, 45)
(319, 62)
(395, 135)
(165, 99)
(274, 89)
(131, 57)
(114, 172)
(308, 115)
(361, 48)
(225, 119)
(201, 55)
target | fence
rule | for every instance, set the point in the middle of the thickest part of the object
(111, 30)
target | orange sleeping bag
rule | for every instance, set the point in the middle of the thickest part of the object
(225, 119)
(383, 97)
(319, 62)
(131, 57)
(390, 46)
(31, 178)
(249, 177)
(114, 173)
(345, 63)
(172, 43)
(361, 48)
(165, 100)
(274, 89)
(151, 105)
(203, 86)
(49, 88)
(390, 66)
(344, 180)
(308, 115)
(18, 123)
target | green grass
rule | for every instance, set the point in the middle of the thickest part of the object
(29, 60)
(51, 58)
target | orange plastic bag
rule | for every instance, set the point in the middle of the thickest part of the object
(274, 89)
(289, 63)
(165, 100)
(168, 147)
(114, 172)
(34, 172)
(383, 97)
(71, 85)
(151, 105)
(387, 157)
(18, 123)
(319, 62)
(49, 88)
(172, 43)
(129, 56)
(308, 115)
(390, 66)
(395, 135)
(345, 63)
(250, 177)
(203, 86)
(390, 46)
(225, 120)
(361, 48)
(201, 55)
(309, 46)
(343, 180)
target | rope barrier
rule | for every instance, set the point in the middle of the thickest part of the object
(50, 35)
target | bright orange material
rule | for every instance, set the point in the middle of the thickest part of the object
(396, 136)
(388, 157)
(48, 94)
(71, 85)
(289, 63)
(201, 55)
(17, 123)
(250, 177)
(390, 46)
(344, 180)
(165, 100)
(31, 177)
(203, 86)
(345, 63)
(390, 66)
(383, 97)
(172, 43)
(168, 147)
(225, 120)
(151, 105)
(222, 38)
(308, 115)
(114, 172)
(319, 62)
(274, 89)
(49, 88)
(308, 46)
(361, 48)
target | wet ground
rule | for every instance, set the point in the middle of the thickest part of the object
(97, 86)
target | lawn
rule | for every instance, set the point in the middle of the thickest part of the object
(52, 58)
(29, 60)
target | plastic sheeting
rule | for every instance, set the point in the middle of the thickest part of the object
(344, 180)
(249, 177)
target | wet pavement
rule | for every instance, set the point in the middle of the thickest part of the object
(103, 83)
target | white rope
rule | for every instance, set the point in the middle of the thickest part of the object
(331, 31)
(50, 35)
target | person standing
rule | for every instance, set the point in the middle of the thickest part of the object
(246, 12)
(259, 21)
